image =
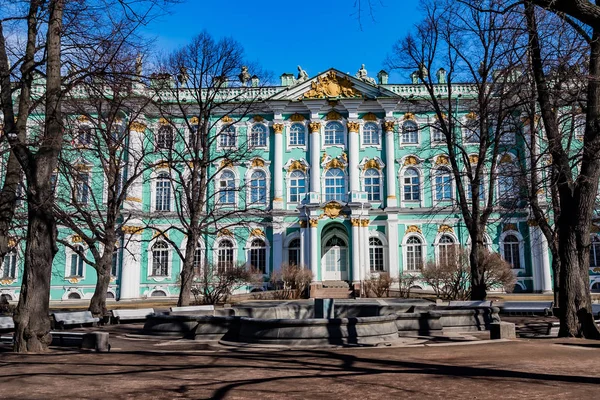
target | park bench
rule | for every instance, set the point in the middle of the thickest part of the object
(80, 318)
(208, 307)
(527, 307)
(470, 304)
(133, 314)
(98, 341)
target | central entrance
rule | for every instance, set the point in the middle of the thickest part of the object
(335, 253)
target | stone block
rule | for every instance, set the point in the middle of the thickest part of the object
(324, 308)
(98, 341)
(502, 330)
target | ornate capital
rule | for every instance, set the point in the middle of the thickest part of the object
(388, 126)
(132, 230)
(137, 127)
(226, 163)
(314, 222)
(278, 128)
(314, 127)
(355, 221)
(364, 223)
(353, 126)
(302, 223)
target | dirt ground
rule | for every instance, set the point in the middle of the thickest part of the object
(145, 368)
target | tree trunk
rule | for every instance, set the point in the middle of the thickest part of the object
(576, 319)
(187, 272)
(32, 323)
(103, 267)
(556, 279)
(478, 289)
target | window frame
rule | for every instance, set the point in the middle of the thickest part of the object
(376, 133)
(378, 186)
(304, 135)
(405, 132)
(342, 133)
(344, 193)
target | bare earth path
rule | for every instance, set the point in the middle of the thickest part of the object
(185, 370)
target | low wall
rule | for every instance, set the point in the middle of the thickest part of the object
(462, 319)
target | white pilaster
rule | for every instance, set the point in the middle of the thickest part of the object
(131, 269)
(392, 237)
(304, 244)
(277, 244)
(364, 248)
(278, 167)
(133, 199)
(390, 170)
(314, 255)
(357, 275)
(315, 161)
(546, 281)
(354, 145)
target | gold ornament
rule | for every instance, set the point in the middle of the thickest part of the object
(471, 116)
(445, 229)
(355, 221)
(257, 162)
(297, 117)
(278, 128)
(353, 126)
(333, 116)
(224, 232)
(76, 239)
(409, 116)
(257, 232)
(506, 158)
(364, 223)
(334, 163)
(302, 223)
(194, 121)
(81, 118)
(163, 121)
(473, 159)
(372, 163)
(226, 163)
(258, 118)
(314, 127)
(369, 117)
(332, 209)
(132, 230)
(226, 119)
(411, 160)
(297, 165)
(442, 160)
(314, 222)
(138, 127)
(330, 85)
(509, 227)
(413, 229)
(388, 126)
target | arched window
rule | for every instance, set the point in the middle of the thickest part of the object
(82, 187)
(437, 134)
(470, 190)
(507, 182)
(596, 287)
(74, 296)
(336, 254)
(227, 187)
(9, 265)
(443, 184)
(227, 138)
(162, 199)
(225, 255)
(410, 132)
(414, 254)
(376, 257)
(334, 133)
(373, 184)
(294, 252)
(84, 135)
(595, 252)
(258, 255)
(258, 136)
(164, 137)
(297, 187)
(76, 267)
(471, 131)
(512, 251)
(198, 259)
(446, 250)
(160, 259)
(297, 135)
(411, 185)
(258, 187)
(370, 133)
(335, 185)
(579, 125)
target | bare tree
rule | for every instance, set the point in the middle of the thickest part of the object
(213, 91)
(473, 52)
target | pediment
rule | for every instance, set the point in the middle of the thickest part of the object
(332, 85)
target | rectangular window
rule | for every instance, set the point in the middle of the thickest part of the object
(82, 187)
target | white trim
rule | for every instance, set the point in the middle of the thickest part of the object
(411, 203)
(433, 172)
(248, 247)
(247, 180)
(294, 204)
(379, 134)
(150, 262)
(381, 184)
(343, 123)
(286, 245)
(288, 126)
(346, 178)
(401, 136)
(236, 188)
(404, 248)
(521, 247)
(153, 180)
(68, 253)
(381, 236)
(215, 249)
(250, 124)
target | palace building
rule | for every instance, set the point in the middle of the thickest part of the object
(353, 178)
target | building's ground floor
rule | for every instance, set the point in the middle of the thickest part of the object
(337, 243)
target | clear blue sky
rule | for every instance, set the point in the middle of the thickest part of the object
(283, 34)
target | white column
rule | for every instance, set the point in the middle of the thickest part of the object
(314, 255)
(547, 285)
(131, 270)
(303, 243)
(357, 275)
(364, 244)
(392, 238)
(133, 200)
(315, 161)
(278, 167)
(277, 245)
(354, 145)
(390, 169)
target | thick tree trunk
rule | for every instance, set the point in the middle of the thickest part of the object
(187, 273)
(32, 323)
(103, 268)
(478, 289)
(556, 279)
(576, 319)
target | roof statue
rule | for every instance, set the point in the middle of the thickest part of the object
(138, 64)
(244, 75)
(302, 75)
(362, 75)
(183, 76)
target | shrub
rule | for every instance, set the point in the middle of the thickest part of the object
(378, 285)
(450, 279)
(405, 283)
(291, 282)
(214, 284)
